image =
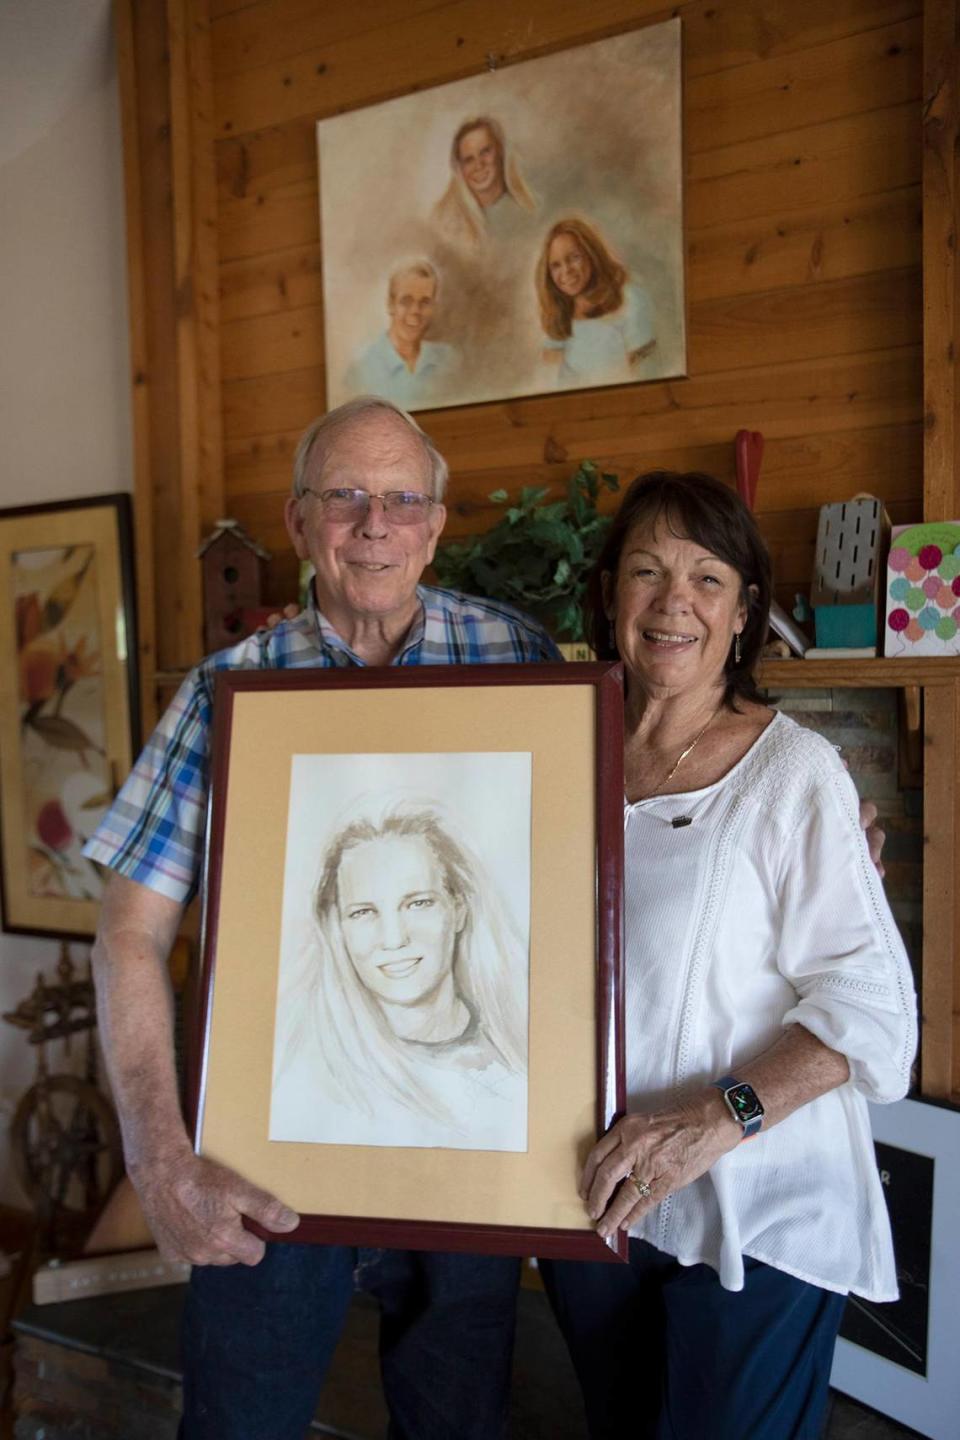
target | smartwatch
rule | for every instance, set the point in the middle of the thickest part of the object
(743, 1103)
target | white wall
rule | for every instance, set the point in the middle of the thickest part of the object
(65, 428)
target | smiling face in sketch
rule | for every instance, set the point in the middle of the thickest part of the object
(399, 922)
(570, 269)
(481, 164)
(410, 307)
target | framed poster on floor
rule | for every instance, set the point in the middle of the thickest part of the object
(901, 1358)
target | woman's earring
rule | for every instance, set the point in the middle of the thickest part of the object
(736, 648)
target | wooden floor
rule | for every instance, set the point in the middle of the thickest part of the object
(545, 1401)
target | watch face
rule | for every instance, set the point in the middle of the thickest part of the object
(744, 1102)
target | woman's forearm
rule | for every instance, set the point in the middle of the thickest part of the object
(794, 1070)
(668, 1149)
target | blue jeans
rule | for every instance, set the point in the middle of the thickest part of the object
(257, 1341)
(663, 1352)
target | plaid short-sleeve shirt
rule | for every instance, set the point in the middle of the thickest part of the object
(153, 832)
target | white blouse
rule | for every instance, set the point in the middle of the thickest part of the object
(766, 911)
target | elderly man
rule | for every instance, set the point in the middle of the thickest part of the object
(402, 363)
(262, 1321)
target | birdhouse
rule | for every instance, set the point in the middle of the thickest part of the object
(233, 572)
(848, 573)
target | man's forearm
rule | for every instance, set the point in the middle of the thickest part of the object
(135, 1014)
(194, 1207)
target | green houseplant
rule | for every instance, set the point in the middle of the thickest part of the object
(538, 555)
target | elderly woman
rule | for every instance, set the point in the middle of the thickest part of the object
(597, 321)
(407, 1024)
(768, 998)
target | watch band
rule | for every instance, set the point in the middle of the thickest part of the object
(750, 1127)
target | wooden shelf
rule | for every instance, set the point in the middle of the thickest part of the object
(858, 674)
(801, 674)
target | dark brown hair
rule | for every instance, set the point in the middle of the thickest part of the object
(704, 510)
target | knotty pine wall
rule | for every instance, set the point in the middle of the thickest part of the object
(803, 229)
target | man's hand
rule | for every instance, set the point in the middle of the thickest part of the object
(875, 836)
(194, 1208)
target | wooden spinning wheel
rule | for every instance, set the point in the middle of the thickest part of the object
(65, 1139)
(66, 1147)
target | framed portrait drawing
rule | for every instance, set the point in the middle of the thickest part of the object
(514, 233)
(411, 1019)
(69, 717)
(902, 1358)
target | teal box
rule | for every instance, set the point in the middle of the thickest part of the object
(841, 626)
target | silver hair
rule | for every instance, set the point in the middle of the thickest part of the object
(317, 439)
(423, 268)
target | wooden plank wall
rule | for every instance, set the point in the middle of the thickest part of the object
(173, 284)
(803, 208)
(940, 996)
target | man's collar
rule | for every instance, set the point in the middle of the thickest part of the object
(434, 617)
(390, 354)
(333, 642)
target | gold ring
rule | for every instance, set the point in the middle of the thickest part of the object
(643, 1186)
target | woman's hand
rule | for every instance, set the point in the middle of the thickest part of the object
(289, 612)
(667, 1150)
(875, 836)
(637, 357)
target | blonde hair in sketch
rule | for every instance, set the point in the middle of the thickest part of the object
(422, 267)
(604, 291)
(459, 213)
(330, 1009)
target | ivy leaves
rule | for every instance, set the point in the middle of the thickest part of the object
(539, 554)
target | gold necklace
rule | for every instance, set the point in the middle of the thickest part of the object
(683, 755)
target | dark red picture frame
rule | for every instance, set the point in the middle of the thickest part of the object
(606, 680)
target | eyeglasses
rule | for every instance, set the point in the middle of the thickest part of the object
(400, 507)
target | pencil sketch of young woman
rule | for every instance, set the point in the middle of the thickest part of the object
(407, 1021)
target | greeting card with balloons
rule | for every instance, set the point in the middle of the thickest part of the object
(923, 590)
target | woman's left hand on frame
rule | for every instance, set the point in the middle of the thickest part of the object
(664, 1151)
